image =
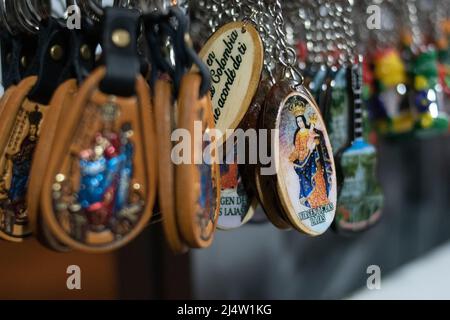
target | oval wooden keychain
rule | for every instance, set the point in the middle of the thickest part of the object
(23, 117)
(262, 184)
(306, 175)
(302, 170)
(234, 55)
(99, 189)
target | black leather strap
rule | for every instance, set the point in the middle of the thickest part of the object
(13, 50)
(83, 64)
(10, 60)
(156, 25)
(50, 71)
(122, 63)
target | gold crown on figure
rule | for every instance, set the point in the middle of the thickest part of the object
(298, 108)
(313, 118)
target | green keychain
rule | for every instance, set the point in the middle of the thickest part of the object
(431, 119)
(360, 199)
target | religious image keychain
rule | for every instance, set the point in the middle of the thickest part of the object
(305, 181)
(81, 61)
(22, 118)
(100, 184)
(234, 55)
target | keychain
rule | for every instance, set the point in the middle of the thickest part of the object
(164, 109)
(22, 119)
(197, 182)
(360, 199)
(423, 72)
(81, 61)
(197, 189)
(99, 188)
(305, 182)
(18, 46)
(189, 183)
(390, 107)
(164, 100)
(234, 55)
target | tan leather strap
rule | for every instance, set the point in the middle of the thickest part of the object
(5, 97)
(197, 185)
(62, 99)
(164, 109)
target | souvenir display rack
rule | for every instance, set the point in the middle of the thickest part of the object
(356, 94)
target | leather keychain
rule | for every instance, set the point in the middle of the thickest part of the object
(100, 185)
(9, 92)
(16, 52)
(61, 101)
(164, 109)
(197, 185)
(190, 216)
(10, 65)
(23, 117)
(198, 174)
(80, 62)
(157, 24)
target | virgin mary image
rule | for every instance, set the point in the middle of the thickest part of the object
(310, 158)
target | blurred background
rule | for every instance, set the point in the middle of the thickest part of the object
(410, 245)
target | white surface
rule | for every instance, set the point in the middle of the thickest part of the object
(425, 278)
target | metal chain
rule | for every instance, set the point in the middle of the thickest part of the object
(286, 54)
(215, 12)
(348, 31)
(265, 28)
(333, 32)
(413, 20)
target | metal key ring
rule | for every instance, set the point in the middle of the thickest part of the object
(94, 10)
(39, 9)
(9, 20)
(26, 21)
(42, 10)
(148, 6)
